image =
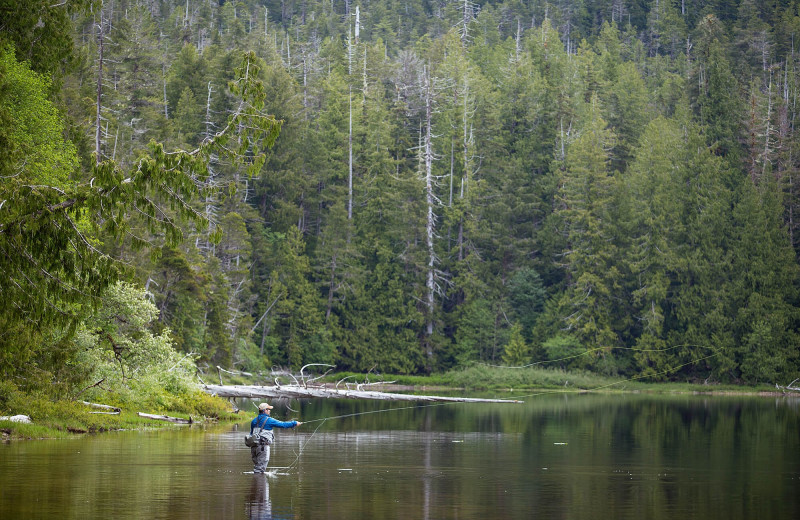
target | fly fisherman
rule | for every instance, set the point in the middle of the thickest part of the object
(264, 424)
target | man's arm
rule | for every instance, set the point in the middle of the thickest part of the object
(281, 424)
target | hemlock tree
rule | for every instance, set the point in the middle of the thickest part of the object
(52, 265)
(43, 266)
(585, 209)
(517, 351)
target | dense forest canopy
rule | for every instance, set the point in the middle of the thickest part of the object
(608, 185)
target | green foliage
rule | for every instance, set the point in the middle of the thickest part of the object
(564, 351)
(35, 166)
(720, 107)
(586, 208)
(188, 116)
(40, 32)
(517, 351)
(125, 356)
(500, 378)
(600, 185)
(35, 139)
(527, 296)
(475, 337)
(59, 418)
(299, 318)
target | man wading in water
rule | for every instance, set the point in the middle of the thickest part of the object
(264, 423)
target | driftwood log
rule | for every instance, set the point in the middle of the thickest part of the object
(113, 409)
(176, 420)
(301, 392)
(17, 418)
(789, 387)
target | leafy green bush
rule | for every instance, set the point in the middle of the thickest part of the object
(130, 364)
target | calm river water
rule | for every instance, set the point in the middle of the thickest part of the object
(557, 456)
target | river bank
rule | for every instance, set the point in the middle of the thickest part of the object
(65, 418)
(506, 382)
(62, 418)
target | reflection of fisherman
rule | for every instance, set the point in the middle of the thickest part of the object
(260, 506)
(260, 453)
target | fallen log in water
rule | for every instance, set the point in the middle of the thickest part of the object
(300, 392)
(177, 420)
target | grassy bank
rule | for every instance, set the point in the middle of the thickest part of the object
(481, 378)
(59, 418)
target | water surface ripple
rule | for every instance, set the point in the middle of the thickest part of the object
(560, 456)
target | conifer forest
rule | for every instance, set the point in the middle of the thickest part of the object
(400, 186)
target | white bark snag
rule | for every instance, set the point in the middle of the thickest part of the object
(102, 406)
(164, 78)
(465, 179)
(768, 130)
(210, 203)
(300, 392)
(176, 420)
(350, 156)
(430, 200)
(98, 116)
(305, 85)
(364, 85)
(350, 124)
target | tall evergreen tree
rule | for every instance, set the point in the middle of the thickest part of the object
(585, 212)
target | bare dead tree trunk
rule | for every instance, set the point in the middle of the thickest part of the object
(350, 128)
(430, 201)
(164, 78)
(466, 175)
(210, 202)
(364, 79)
(768, 130)
(350, 155)
(98, 115)
(305, 86)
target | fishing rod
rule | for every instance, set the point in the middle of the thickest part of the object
(374, 411)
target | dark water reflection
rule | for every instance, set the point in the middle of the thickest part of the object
(576, 456)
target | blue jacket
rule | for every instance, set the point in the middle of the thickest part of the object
(270, 423)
